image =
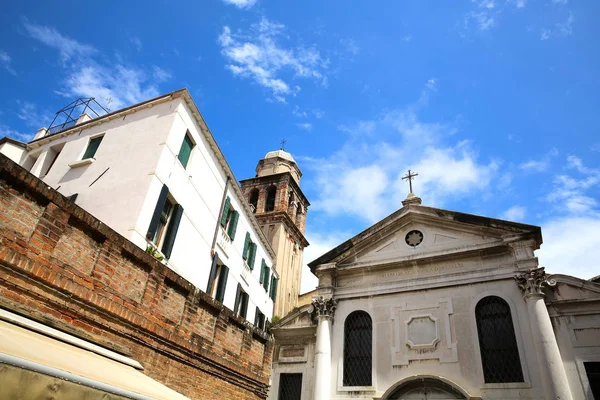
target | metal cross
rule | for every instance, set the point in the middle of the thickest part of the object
(283, 142)
(409, 177)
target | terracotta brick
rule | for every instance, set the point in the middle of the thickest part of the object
(64, 268)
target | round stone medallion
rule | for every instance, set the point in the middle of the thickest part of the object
(414, 238)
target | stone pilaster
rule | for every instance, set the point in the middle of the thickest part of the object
(554, 377)
(323, 311)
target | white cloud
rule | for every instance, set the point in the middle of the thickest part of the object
(68, 48)
(532, 165)
(241, 3)
(305, 126)
(560, 1)
(86, 76)
(484, 3)
(137, 43)
(560, 29)
(515, 213)
(483, 19)
(570, 193)
(363, 178)
(259, 56)
(571, 246)
(431, 84)
(320, 243)
(350, 46)
(5, 62)
(160, 74)
(13, 133)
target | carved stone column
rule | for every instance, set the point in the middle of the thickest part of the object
(554, 377)
(323, 310)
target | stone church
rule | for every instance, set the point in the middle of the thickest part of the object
(437, 304)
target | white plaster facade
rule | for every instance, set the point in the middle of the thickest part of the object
(121, 183)
(437, 285)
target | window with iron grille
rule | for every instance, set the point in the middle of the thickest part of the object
(358, 346)
(290, 386)
(497, 341)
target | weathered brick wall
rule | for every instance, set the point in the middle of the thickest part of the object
(61, 266)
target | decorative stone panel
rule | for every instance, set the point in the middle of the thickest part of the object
(423, 332)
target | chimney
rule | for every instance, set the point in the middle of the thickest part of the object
(83, 118)
(40, 133)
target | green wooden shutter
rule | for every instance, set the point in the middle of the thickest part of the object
(220, 295)
(186, 150)
(267, 276)
(237, 298)
(172, 229)
(246, 244)
(251, 256)
(160, 204)
(225, 211)
(273, 293)
(213, 273)
(233, 225)
(263, 265)
(92, 146)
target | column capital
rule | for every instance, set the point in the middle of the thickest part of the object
(531, 282)
(324, 307)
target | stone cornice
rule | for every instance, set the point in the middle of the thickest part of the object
(280, 216)
(276, 178)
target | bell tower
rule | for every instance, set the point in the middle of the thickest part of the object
(280, 207)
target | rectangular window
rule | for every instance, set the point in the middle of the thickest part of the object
(273, 291)
(241, 302)
(290, 386)
(265, 275)
(259, 319)
(92, 147)
(165, 222)
(249, 253)
(229, 219)
(186, 150)
(217, 282)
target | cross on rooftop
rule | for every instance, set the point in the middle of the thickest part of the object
(409, 177)
(283, 142)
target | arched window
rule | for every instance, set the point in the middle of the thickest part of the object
(358, 349)
(497, 342)
(254, 199)
(270, 203)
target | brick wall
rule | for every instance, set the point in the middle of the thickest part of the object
(62, 267)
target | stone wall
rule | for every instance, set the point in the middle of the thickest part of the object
(62, 267)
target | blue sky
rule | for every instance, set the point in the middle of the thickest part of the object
(493, 102)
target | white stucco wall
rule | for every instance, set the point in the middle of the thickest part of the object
(137, 156)
(12, 151)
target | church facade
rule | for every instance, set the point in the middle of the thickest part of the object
(436, 304)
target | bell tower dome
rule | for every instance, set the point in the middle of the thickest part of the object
(280, 207)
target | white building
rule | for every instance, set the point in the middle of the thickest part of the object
(154, 173)
(436, 304)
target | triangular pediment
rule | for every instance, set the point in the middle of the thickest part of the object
(417, 232)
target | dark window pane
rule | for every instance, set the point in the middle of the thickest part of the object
(92, 147)
(186, 150)
(270, 203)
(497, 342)
(358, 345)
(290, 386)
(592, 369)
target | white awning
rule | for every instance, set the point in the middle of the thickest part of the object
(28, 350)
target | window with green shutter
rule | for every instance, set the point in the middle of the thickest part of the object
(251, 255)
(225, 211)
(247, 242)
(186, 150)
(232, 224)
(92, 147)
(266, 280)
(263, 266)
(273, 292)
